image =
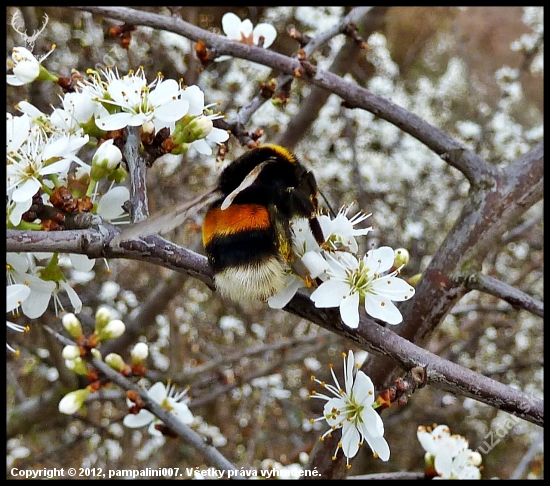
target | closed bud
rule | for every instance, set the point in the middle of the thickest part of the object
(77, 365)
(106, 158)
(102, 318)
(139, 353)
(72, 325)
(114, 329)
(401, 257)
(115, 361)
(414, 279)
(71, 352)
(73, 401)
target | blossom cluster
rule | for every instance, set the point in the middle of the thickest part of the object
(347, 281)
(107, 328)
(352, 409)
(448, 456)
(48, 176)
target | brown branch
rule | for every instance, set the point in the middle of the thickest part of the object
(139, 208)
(487, 215)
(212, 455)
(513, 296)
(370, 336)
(475, 168)
(317, 97)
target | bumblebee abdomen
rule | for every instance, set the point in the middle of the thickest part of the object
(237, 218)
(242, 248)
(258, 280)
(238, 235)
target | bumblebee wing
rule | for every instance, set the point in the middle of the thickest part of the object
(165, 221)
(247, 182)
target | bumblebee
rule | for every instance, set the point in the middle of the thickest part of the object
(246, 232)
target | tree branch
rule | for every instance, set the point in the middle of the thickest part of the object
(506, 292)
(211, 454)
(370, 336)
(475, 168)
(139, 206)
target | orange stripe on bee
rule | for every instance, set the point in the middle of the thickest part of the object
(235, 219)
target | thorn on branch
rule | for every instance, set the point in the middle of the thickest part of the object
(282, 96)
(403, 389)
(297, 35)
(351, 31)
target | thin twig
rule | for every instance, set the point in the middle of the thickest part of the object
(502, 290)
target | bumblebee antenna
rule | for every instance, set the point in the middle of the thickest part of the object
(328, 204)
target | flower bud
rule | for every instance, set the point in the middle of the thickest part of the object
(414, 279)
(114, 329)
(72, 325)
(102, 318)
(139, 353)
(70, 352)
(475, 458)
(192, 128)
(26, 68)
(73, 401)
(77, 365)
(106, 158)
(401, 257)
(115, 361)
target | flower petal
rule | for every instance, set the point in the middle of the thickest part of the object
(202, 147)
(172, 111)
(382, 308)
(81, 263)
(26, 191)
(246, 28)
(217, 135)
(315, 263)
(330, 293)
(267, 31)
(380, 259)
(349, 310)
(380, 446)
(182, 412)
(15, 295)
(135, 421)
(363, 389)
(117, 121)
(110, 205)
(73, 296)
(231, 25)
(292, 284)
(157, 392)
(350, 439)
(394, 288)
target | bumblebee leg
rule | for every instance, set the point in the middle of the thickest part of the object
(302, 204)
